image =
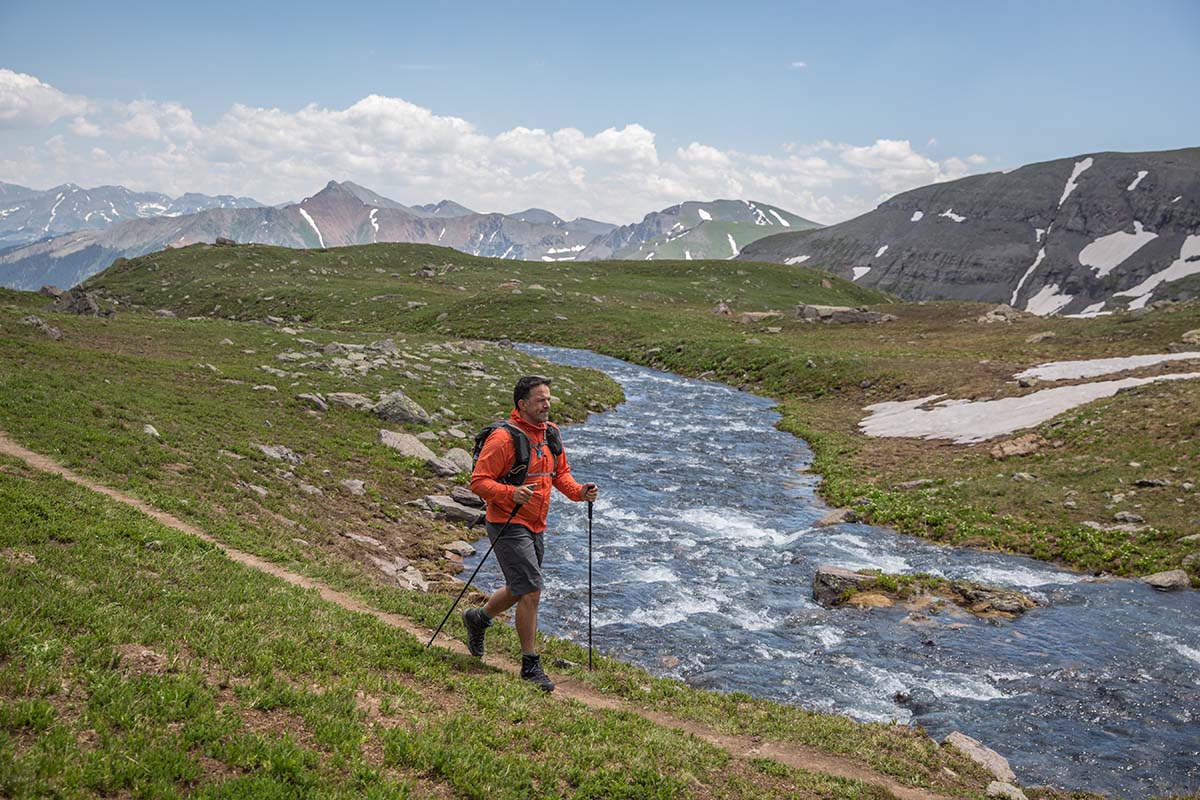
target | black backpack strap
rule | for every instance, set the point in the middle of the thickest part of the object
(554, 439)
(520, 468)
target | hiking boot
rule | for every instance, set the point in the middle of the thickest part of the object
(477, 626)
(531, 670)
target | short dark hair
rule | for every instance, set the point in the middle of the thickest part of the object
(526, 385)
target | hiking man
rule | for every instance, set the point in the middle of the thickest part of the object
(520, 549)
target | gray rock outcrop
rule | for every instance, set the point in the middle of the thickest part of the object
(837, 517)
(841, 315)
(408, 445)
(446, 506)
(351, 400)
(399, 408)
(831, 584)
(984, 756)
(1168, 581)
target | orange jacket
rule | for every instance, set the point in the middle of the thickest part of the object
(496, 458)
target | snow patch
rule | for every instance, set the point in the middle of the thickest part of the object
(917, 216)
(881, 251)
(1177, 199)
(320, 238)
(574, 249)
(1107, 252)
(1048, 301)
(375, 222)
(1040, 233)
(1041, 254)
(732, 244)
(1188, 263)
(966, 421)
(443, 233)
(949, 213)
(859, 272)
(1080, 166)
(1141, 174)
(687, 255)
(796, 260)
(1093, 367)
(1094, 310)
(704, 215)
(782, 221)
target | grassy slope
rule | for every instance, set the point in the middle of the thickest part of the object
(85, 399)
(659, 313)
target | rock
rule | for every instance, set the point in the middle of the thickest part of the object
(351, 400)
(37, 322)
(363, 539)
(1195, 537)
(427, 436)
(917, 484)
(392, 566)
(1191, 337)
(871, 600)
(53, 292)
(77, 301)
(445, 505)
(751, 317)
(353, 487)
(464, 496)
(1191, 562)
(1001, 313)
(408, 445)
(1040, 337)
(670, 662)
(1128, 516)
(314, 400)
(151, 430)
(153, 545)
(1021, 445)
(456, 433)
(166, 313)
(277, 451)
(1002, 789)
(308, 488)
(837, 517)
(1148, 483)
(398, 407)
(1026, 477)
(830, 584)
(385, 346)
(985, 757)
(722, 308)
(982, 599)
(839, 315)
(412, 578)
(460, 547)
(460, 458)
(1168, 581)
(919, 700)
(226, 341)
(223, 241)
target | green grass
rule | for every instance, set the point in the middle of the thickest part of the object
(168, 670)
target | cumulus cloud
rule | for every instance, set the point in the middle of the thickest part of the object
(26, 102)
(415, 155)
(797, 65)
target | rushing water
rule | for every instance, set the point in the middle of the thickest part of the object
(704, 554)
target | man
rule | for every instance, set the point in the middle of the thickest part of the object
(520, 549)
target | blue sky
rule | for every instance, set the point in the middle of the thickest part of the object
(607, 110)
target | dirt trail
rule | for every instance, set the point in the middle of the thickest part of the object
(791, 754)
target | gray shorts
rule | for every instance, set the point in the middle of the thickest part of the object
(519, 552)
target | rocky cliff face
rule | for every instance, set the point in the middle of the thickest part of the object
(1079, 235)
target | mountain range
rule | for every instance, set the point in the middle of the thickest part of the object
(1078, 236)
(348, 214)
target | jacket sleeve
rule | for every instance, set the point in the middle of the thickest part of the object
(494, 460)
(564, 481)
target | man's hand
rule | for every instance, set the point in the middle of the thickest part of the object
(590, 492)
(523, 494)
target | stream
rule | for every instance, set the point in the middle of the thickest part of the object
(704, 554)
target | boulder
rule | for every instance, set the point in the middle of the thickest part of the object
(53, 292)
(464, 496)
(277, 451)
(411, 578)
(460, 458)
(751, 317)
(408, 445)
(392, 566)
(985, 757)
(223, 241)
(49, 330)
(351, 400)
(840, 315)
(460, 547)
(1191, 337)
(982, 599)
(1168, 581)
(837, 517)
(398, 407)
(77, 301)
(353, 487)
(445, 505)
(1021, 445)
(1001, 313)
(831, 584)
(314, 400)
(1040, 337)
(150, 430)
(917, 484)
(1002, 789)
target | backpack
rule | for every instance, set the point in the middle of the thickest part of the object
(520, 467)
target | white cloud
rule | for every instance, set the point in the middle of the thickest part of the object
(26, 102)
(415, 155)
(798, 65)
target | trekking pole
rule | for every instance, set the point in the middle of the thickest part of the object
(589, 585)
(473, 574)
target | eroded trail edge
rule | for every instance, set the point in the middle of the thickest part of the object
(789, 753)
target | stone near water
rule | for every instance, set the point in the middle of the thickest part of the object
(460, 547)
(837, 517)
(831, 584)
(398, 407)
(1168, 581)
(984, 756)
(1002, 789)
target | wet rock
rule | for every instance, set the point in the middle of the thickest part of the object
(399, 408)
(837, 517)
(464, 496)
(1168, 581)
(351, 400)
(985, 757)
(918, 700)
(982, 599)
(459, 547)
(870, 600)
(831, 584)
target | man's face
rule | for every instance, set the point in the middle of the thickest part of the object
(536, 407)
